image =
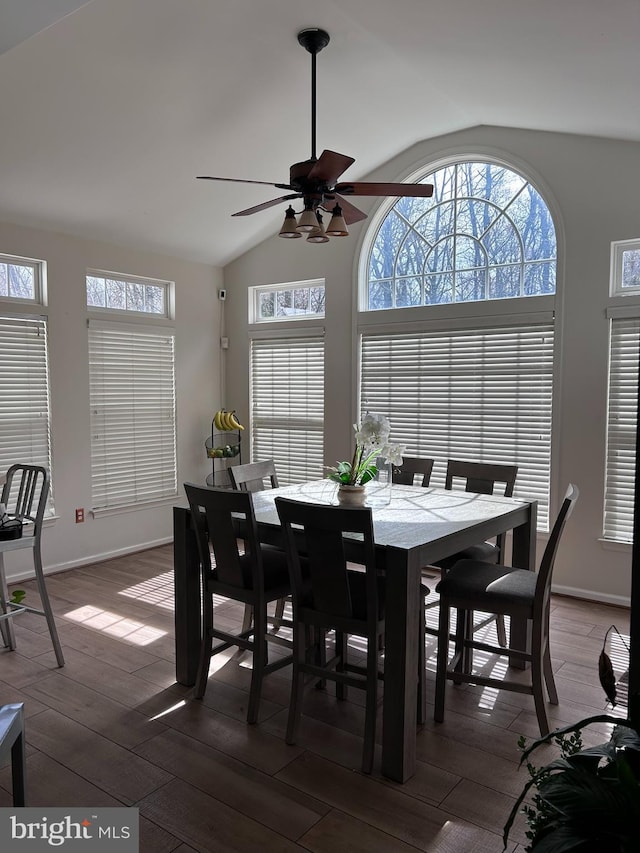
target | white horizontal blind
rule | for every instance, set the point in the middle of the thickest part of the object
(483, 395)
(133, 417)
(621, 429)
(287, 406)
(24, 393)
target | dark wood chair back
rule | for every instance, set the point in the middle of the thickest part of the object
(251, 477)
(545, 571)
(252, 576)
(216, 515)
(323, 594)
(411, 467)
(481, 477)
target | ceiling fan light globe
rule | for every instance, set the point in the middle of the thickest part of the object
(289, 226)
(337, 226)
(308, 221)
(319, 237)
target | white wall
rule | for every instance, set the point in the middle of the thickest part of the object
(593, 185)
(66, 543)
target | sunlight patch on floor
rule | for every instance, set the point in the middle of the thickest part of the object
(157, 591)
(115, 625)
(171, 710)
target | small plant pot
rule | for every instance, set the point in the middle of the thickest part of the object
(351, 495)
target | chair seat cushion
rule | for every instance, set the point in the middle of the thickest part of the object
(497, 589)
(485, 552)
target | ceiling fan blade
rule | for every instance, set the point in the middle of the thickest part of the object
(329, 166)
(349, 211)
(242, 181)
(265, 204)
(408, 190)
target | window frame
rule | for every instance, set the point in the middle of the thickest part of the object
(280, 336)
(523, 170)
(168, 288)
(517, 334)
(39, 283)
(471, 314)
(256, 291)
(155, 326)
(16, 310)
(618, 503)
(618, 249)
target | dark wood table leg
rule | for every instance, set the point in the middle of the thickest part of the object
(524, 557)
(401, 664)
(188, 607)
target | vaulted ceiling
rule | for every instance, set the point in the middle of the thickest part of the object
(110, 108)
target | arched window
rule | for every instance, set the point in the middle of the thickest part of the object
(459, 378)
(485, 234)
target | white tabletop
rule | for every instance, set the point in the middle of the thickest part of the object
(414, 516)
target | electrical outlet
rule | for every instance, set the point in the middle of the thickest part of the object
(79, 516)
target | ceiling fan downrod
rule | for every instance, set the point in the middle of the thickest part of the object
(313, 40)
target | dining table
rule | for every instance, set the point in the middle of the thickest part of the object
(415, 528)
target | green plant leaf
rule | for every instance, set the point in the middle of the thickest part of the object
(17, 596)
(574, 727)
(626, 737)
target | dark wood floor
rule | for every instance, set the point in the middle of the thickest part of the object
(113, 727)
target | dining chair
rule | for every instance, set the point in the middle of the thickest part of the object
(254, 575)
(480, 478)
(24, 496)
(519, 593)
(12, 744)
(328, 595)
(251, 477)
(411, 467)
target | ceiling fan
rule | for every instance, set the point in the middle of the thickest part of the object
(315, 180)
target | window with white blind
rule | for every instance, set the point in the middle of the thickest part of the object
(483, 394)
(24, 392)
(133, 414)
(287, 405)
(621, 428)
(456, 300)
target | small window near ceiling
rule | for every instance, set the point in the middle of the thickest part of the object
(625, 268)
(132, 295)
(20, 280)
(298, 300)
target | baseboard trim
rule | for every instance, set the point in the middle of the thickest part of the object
(591, 595)
(29, 574)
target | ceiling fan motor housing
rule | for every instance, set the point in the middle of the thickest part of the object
(313, 39)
